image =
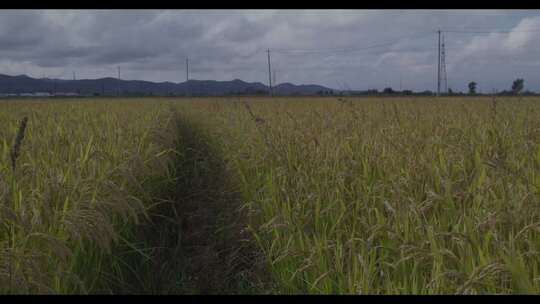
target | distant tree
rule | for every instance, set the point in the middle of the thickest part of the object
(472, 87)
(407, 92)
(517, 86)
(450, 92)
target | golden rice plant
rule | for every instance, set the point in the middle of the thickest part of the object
(79, 179)
(403, 195)
(387, 195)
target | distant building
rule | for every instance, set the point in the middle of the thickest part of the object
(42, 94)
(39, 94)
(65, 94)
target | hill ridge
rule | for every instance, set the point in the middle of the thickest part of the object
(114, 86)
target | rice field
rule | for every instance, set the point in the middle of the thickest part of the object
(334, 195)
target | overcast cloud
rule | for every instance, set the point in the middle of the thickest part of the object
(224, 45)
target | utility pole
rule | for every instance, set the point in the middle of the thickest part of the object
(74, 77)
(118, 93)
(187, 76)
(439, 65)
(269, 74)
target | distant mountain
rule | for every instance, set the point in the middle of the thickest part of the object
(113, 86)
(303, 89)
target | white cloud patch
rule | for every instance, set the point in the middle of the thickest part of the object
(521, 39)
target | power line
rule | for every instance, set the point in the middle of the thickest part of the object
(465, 31)
(389, 43)
(422, 35)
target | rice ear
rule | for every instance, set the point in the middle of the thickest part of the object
(58, 247)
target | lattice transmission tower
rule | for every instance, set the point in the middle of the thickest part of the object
(444, 81)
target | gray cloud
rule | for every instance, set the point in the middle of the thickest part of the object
(18, 30)
(223, 45)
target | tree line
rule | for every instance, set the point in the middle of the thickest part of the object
(517, 88)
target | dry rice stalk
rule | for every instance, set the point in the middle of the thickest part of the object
(264, 132)
(18, 140)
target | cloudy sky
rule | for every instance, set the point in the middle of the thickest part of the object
(342, 49)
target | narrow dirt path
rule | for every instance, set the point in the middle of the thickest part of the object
(197, 237)
(218, 250)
